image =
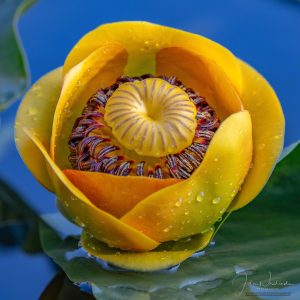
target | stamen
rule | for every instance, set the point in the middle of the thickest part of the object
(93, 146)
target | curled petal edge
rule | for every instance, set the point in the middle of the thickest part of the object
(165, 256)
(36, 112)
(193, 205)
(260, 100)
(102, 225)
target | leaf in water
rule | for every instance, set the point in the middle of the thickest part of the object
(257, 252)
(60, 287)
(14, 73)
(18, 222)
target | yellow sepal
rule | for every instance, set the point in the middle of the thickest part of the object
(267, 118)
(36, 112)
(98, 70)
(142, 40)
(193, 205)
(166, 255)
(102, 225)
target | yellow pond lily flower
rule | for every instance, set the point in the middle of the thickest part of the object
(147, 136)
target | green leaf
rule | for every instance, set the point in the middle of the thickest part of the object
(14, 73)
(257, 251)
(18, 222)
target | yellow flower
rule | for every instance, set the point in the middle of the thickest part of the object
(147, 222)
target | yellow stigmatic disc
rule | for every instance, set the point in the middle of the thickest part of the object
(151, 117)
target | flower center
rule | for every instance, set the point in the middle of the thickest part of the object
(143, 126)
(151, 117)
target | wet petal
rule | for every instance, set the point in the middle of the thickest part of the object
(100, 224)
(116, 194)
(203, 75)
(267, 118)
(143, 40)
(192, 206)
(36, 112)
(165, 256)
(98, 70)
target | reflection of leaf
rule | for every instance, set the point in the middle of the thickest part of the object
(61, 288)
(14, 74)
(257, 241)
(18, 222)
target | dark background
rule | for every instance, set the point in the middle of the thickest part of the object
(264, 33)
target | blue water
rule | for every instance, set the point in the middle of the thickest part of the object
(265, 33)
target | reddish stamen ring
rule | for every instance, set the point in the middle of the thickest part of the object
(91, 152)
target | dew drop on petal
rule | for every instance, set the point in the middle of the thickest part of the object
(199, 197)
(32, 111)
(167, 229)
(222, 210)
(216, 200)
(179, 202)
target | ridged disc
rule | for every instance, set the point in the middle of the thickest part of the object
(151, 117)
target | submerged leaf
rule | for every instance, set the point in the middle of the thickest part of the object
(18, 222)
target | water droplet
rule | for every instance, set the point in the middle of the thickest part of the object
(222, 210)
(187, 212)
(140, 217)
(216, 159)
(241, 131)
(216, 200)
(261, 146)
(220, 219)
(79, 222)
(179, 202)
(199, 197)
(277, 137)
(167, 229)
(32, 111)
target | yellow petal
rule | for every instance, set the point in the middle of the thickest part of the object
(166, 255)
(142, 40)
(193, 205)
(202, 74)
(116, 194)
(267, 117)
(98, 70)
(36, 112)
(100, 224)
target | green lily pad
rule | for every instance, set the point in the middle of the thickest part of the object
(19, 224)
(256, 254)
(14, 73)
